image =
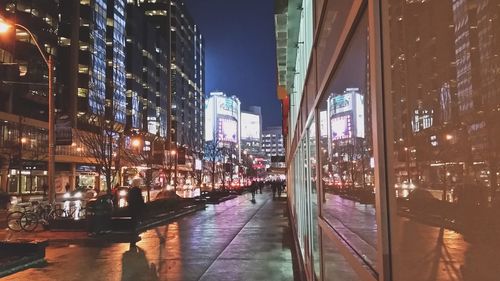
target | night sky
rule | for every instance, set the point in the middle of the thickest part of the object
(240, 51)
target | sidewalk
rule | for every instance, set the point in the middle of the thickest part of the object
(261, 250)
(235, 240)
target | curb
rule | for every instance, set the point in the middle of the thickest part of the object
(21, 254)
(222, 199)
(20, 265)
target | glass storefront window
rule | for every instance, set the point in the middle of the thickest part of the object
(335, 266)
(444, 88)
(313, 180)
(346, 150)
(334, 19)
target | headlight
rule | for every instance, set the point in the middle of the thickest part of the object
(78, 195)
(122, 193)
(66, 195)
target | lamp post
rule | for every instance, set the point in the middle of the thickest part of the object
(4, 27)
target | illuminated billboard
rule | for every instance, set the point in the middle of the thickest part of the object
(209, 120)
(323, 124)
(250, 126)
(341, 103)
(359, 113)
(341, 127)
(347, 115)
(227, 106)
(227, 130)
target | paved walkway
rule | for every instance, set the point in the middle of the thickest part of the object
(235, 240)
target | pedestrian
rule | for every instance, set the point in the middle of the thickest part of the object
(261, 185)
(136, 207)
(67, 187)
(45, 187)
(279, 187)
(273, 188)
(253, 189)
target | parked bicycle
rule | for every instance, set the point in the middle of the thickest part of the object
(14, 217)
(40, 214)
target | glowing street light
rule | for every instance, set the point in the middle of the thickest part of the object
(4, 27)
(136, 143)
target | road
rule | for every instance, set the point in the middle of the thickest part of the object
(235, 240)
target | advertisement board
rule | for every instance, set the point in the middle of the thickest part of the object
(227, 106)
(340, 103)
(209, 119)
(250, 126)
(341, 127)
(227, 130)
(323, 124)
(360, 115)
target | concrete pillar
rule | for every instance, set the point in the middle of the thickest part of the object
(4, 180)
(72, 177)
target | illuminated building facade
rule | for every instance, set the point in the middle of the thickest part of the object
(251, 130)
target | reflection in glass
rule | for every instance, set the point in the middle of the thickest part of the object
(335, 266)
(311, 133)
(445, 90)
(345, 149)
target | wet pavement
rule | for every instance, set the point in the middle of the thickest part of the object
(235, 240)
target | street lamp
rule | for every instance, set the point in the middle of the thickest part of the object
(47, 58)
(136, 143)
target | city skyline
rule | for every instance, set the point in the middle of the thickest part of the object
(242, 64)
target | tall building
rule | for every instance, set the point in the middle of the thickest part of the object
(24, 93)
(147, 75)
(272, 142)
(92, 44)
(23, 71)
(222, 120)
(187, 77)
(406, 110)
(251, 130)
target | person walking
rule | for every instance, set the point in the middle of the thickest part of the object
(261, 185)
(273, 188)
(136, 207)
(279, 187)
(253, 189)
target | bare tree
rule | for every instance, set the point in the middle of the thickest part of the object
(103, 144)
(213, 152)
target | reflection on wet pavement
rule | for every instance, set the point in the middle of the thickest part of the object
(235, 240)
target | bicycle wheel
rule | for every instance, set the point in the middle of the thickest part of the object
(58, 213)
(14, 221)
(29, 221)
